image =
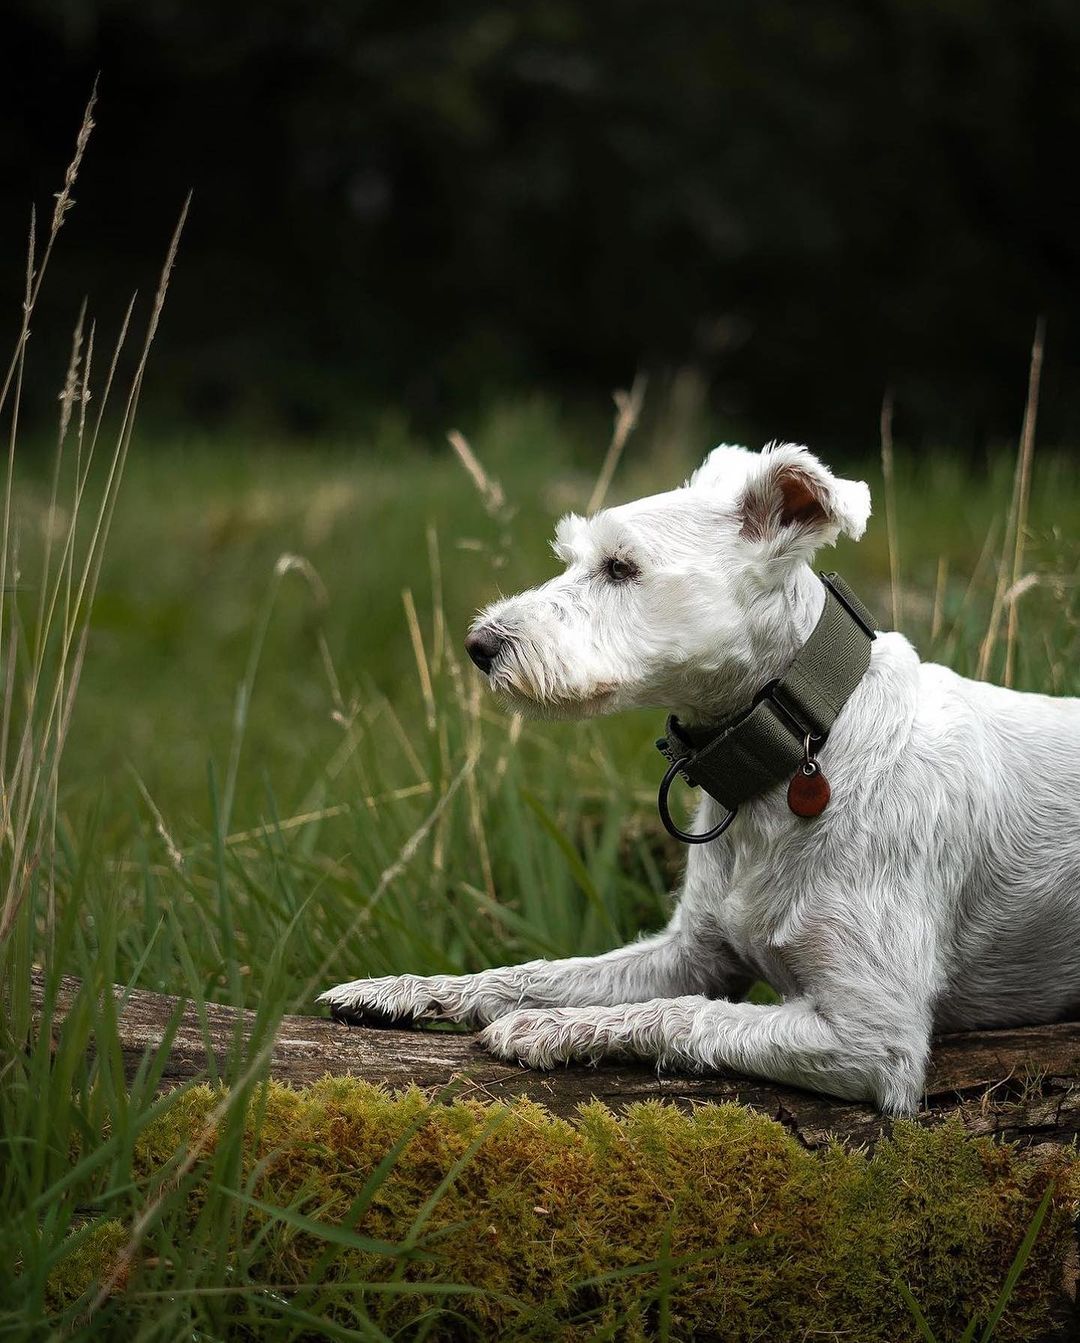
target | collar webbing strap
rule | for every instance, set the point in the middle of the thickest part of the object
(759, 747)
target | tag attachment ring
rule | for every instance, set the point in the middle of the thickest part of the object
(665, 815)
(811, 745)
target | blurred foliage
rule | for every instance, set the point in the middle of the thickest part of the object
(783, 208)
(203, 523)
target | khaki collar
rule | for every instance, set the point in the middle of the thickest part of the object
(778, 736)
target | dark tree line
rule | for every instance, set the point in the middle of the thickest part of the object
(426, 204)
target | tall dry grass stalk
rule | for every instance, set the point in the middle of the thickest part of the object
(489, 489)
(468, 696)
(627, 413)
(1006, 593)
(492, 495)
(41, 664)
(888, 471)
(938, 612)
(1026, 458)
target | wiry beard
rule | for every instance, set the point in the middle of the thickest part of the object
(557, 710)
(528, 687)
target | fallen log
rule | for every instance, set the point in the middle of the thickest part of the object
(1021, 1083)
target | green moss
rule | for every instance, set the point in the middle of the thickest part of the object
(763, 1239)
(92, 1255)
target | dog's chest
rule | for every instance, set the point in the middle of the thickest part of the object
(755, 901)
(756, 927)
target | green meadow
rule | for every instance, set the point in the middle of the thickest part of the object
(274, 679)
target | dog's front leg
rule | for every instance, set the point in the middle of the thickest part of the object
(667, 965)
(856, 1025)
(859, 1055)
(790, 1042)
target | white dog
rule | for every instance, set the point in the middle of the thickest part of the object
(938, 890)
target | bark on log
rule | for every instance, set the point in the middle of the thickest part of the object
(1022, 1083)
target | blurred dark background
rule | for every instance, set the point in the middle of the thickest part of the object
(420, 206)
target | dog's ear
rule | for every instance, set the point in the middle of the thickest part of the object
(791, 499)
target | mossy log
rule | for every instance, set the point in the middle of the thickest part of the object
(532, 1228)
(1022, 1083)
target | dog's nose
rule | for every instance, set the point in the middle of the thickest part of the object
(483, 646)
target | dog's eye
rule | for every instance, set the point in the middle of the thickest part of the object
(619, 571)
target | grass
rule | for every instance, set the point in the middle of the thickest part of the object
(329, 748)
(276, 772)
(279, 774)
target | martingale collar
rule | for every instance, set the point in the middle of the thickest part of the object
(779, 735)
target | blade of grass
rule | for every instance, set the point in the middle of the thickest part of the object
(574, 861)
(327, 1231)
(916, 1313)
(1017, 1266)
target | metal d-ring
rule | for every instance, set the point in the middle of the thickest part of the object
(665, 814)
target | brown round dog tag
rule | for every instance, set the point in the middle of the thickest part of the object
(808, 792)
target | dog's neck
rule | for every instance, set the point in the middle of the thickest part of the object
(775, 643)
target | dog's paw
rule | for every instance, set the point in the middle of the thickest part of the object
(394, 1001)
(544, 1038)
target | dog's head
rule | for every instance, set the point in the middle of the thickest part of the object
(675, 600)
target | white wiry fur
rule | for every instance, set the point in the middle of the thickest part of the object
(939, 890)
